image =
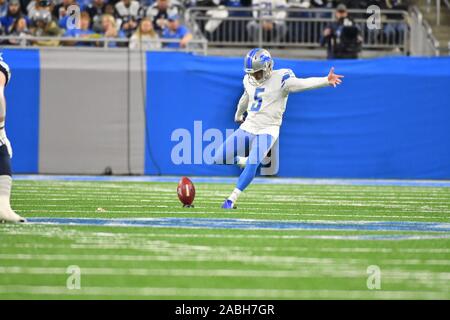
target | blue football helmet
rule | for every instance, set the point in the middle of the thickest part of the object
(256, 60)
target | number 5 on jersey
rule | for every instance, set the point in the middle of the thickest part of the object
(258, 100)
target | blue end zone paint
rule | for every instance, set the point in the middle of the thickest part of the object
(229, 180)
(247, 224)
(23, 99)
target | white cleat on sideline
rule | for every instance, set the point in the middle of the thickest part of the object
(9, 216)
(241, 162)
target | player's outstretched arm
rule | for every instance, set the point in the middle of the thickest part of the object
(241, 108)
(297, 84)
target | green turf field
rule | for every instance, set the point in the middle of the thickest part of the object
(221, 263)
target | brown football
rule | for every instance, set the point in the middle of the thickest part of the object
(186, 191)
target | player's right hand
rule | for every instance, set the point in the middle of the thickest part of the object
(239, 120)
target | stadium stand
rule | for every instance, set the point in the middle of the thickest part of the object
(219, 25)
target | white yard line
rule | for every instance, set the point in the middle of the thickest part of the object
(252, 259)
(280, 196)
(434, 279)
(128, 244)
(56, 231)
(220, 292)
(197, 211)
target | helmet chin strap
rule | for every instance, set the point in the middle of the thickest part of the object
(255, 82)
(267, 71)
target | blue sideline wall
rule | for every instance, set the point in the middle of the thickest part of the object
(23, 95)
(390, 119)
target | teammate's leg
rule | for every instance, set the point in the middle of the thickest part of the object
(6, 213)
(259, 148)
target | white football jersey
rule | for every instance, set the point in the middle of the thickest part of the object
(265, 104)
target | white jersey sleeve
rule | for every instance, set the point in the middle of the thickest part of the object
(266, 102)
(291, 84)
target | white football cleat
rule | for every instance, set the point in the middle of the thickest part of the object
(241, 162)
(10, 216)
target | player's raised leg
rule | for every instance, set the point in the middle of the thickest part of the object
(6, 213)
(234, 145)
(258, 151)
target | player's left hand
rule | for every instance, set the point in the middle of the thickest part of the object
(334, 79)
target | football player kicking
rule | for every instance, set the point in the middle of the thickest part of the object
(265, 96)
(6, 213)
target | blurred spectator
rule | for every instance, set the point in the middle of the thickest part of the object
(110, 30)
(187, 3)
(342, 36)
(146, 3)
(354, 4)
(36, 5)
(394, 31)
(44, 26)
(23, 6)
(83, 32)
(127, 12)
(358, 4)
(175, 30)
(145, 37)
(327, 4)
(3, 8)
(14, 13)
(96, 9)
(273, 24)
(84, 4)
(235, 4)
(19, 29)
(322, 4)
(208, 3)
(31, 6)
(60, 12)
(110, 9)
(216, 12)
(398, 4)
(299, 3)
(161, 10)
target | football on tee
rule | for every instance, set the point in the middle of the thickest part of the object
(186, 192)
